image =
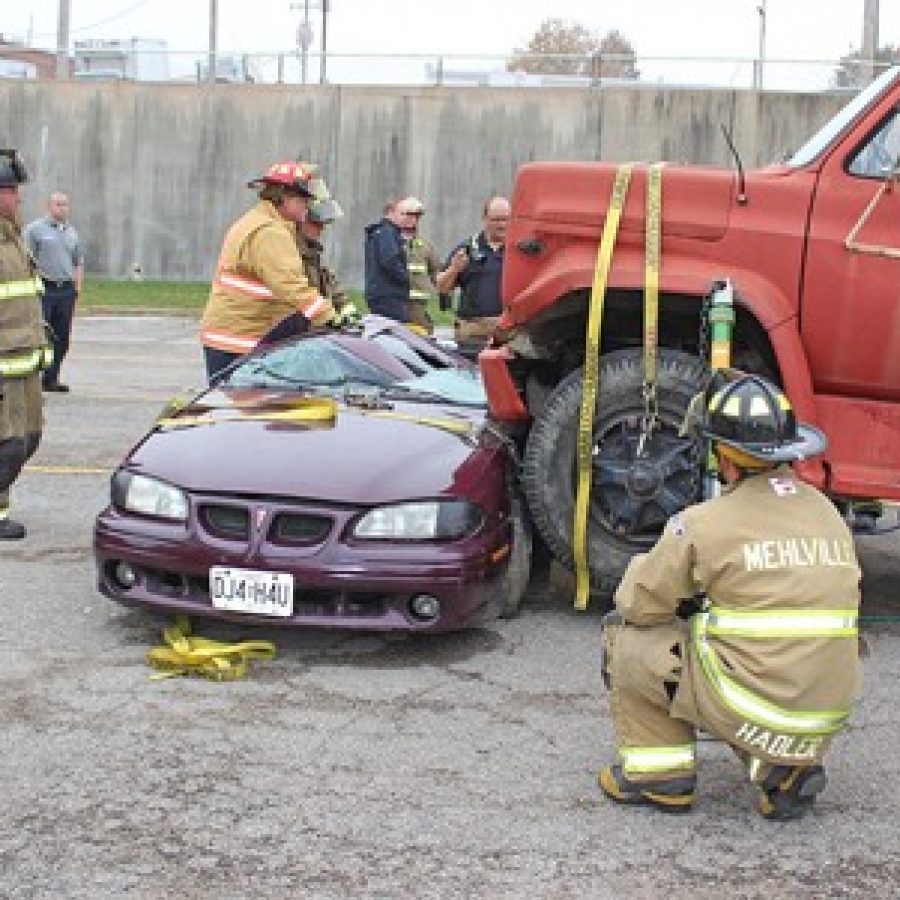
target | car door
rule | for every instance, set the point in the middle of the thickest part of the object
(850, 318)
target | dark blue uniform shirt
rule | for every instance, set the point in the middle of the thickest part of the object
(479, 282)
(387, 274)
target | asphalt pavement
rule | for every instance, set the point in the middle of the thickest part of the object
(360, 766)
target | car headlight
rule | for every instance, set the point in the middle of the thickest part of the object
(440, 520)
(148, 496)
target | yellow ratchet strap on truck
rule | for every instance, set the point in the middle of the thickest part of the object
(216, 660)
(652, 261)
(590, 384)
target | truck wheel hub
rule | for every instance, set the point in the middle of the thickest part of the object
(643, 480)
(634, 496)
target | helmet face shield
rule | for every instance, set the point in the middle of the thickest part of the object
(318, 188)
(323, 212)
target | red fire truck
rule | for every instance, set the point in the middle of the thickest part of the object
(812, 247)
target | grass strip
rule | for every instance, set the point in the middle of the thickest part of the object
(178, 298)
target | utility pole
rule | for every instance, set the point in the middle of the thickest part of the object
(304, 39)
(869, 67)
(213, 41)
(62, 41)
(322, 79)
(761, 58)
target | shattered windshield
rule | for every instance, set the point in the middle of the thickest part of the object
(397, 369)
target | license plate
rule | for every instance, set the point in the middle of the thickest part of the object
(249, 591)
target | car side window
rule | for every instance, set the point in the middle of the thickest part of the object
(880, 155)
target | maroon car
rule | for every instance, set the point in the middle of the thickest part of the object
(396, 510)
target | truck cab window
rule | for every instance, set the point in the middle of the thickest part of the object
(881, 152)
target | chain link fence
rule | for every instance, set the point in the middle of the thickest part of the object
(130, 61)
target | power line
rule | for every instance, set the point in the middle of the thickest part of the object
(119, 15)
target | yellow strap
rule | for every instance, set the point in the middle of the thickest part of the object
(307, 409)
(590, 384)
(652, 261)
(454, 426)
(217, 660)
(313, 409)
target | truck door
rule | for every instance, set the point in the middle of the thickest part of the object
(850, 314)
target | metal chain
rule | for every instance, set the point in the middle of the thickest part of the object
(650, 418)
(703, 336)
(698, 452)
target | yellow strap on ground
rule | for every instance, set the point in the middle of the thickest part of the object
(308, 409)
(590, 383)
(652, 260)
(217, 660)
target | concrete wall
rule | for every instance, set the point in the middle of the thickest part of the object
(156, 173)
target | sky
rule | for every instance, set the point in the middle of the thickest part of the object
(795, 29)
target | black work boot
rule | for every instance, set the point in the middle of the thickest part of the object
(672, 795)
(789, 792)
(11, 531)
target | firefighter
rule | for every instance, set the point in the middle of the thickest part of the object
(23, 348)
(741, 620)
(422, 262)
(322, 212)
(259, 278)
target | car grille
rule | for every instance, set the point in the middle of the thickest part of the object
(299, 528)
(232, 522)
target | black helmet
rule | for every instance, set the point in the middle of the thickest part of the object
(754, 417)
(12, 169)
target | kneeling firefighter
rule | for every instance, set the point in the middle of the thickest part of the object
(741, 620)
(23, 346)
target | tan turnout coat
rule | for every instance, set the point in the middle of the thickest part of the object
(769, 545)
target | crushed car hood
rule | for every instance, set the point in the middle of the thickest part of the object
(357, 458)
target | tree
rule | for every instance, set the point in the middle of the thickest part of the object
(561, 48)
(853, 71)
(616, 58)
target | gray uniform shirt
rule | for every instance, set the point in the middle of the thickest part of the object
(55, 248)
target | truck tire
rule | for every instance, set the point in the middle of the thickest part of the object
(630, 500)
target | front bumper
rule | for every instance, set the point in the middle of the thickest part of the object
(339, 584)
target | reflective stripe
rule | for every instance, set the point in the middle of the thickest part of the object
(639, 760)
(250, 287)
(230, 343)
(26, 287)
(22, 365)
(754, 708)
(420, 295)
(417, 268)
(783, 623)
(315, 307)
